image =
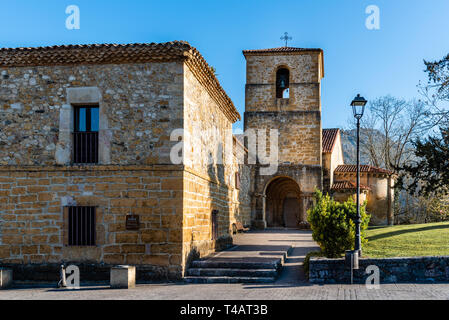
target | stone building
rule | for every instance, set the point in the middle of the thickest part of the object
(376, 184)
(86, 174)
(119, 154)
(283, 92)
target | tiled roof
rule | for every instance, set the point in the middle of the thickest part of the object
(120, 54)
(329, 138)
(279, 50)
(93, 54)
(286, 51)
(347, 185)
(363, 168)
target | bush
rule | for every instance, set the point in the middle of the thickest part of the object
(333, 226)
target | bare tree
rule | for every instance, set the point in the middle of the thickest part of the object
(388, 129)
(435, 92)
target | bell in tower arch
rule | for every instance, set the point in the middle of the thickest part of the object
(282, 82)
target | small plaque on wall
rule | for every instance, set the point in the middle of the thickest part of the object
(132, 222)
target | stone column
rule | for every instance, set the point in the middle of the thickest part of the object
(259, 221)
(306, 199)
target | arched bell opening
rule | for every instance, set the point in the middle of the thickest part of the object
(283, 83)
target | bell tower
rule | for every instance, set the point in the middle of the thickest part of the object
(283, 92)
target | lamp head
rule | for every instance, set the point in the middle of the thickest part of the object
(358, 106)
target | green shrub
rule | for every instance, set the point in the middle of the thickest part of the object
(333, 226)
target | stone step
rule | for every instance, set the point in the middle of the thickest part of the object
(236, 264)
(227, 272)
(195, 279)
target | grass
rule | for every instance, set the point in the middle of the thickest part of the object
(431, 239)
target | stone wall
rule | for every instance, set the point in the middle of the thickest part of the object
(140, 104)
(299, 139)
(305, 77)
(33, 224)
(330, 162)
(297, 120)
(202, 195)
(209, 181)
(241, 198)
(392, 270)
(379, 199)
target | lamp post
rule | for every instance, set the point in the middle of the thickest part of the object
(358, 108)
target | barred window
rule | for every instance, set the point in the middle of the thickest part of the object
(85, 135)
(81, 226)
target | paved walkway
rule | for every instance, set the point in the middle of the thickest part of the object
(269, 246)
(290, 285)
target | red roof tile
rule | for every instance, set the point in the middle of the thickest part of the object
(347, 185)
(329, 138)
(93, 54)
(363, 168)
(280, 50)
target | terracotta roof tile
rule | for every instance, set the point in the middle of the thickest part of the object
(347, 185)
(286, 51)
(329, 138)
(123, 53)
(93, 54)
(363, 168)
(279, 50)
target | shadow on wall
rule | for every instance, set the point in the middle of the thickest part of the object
(220, 194)
(216, 199)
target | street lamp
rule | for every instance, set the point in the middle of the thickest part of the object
(358, 108)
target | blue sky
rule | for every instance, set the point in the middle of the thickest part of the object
(372, 62)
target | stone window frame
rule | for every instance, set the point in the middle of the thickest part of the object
(78, 96)
(67, 226)
(99, 233)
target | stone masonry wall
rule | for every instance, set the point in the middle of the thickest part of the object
(305, 78)
(139, 103)
(392, 270)
(297, 120)
(33, 226)
(140, 106)
(201, 196)
(380, 197)
(209, 181)
(299, 139)
(241, 198)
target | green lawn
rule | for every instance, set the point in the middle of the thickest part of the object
(431, 239)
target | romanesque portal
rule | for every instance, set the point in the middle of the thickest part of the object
(282, 203)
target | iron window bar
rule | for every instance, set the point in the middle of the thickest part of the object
(85, 147)
(81, 226)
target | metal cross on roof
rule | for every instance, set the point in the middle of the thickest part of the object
(286, 38)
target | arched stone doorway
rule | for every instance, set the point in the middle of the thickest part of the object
(282, 203)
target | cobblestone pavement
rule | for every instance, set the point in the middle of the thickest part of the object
(237, 292)
(291, 284)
